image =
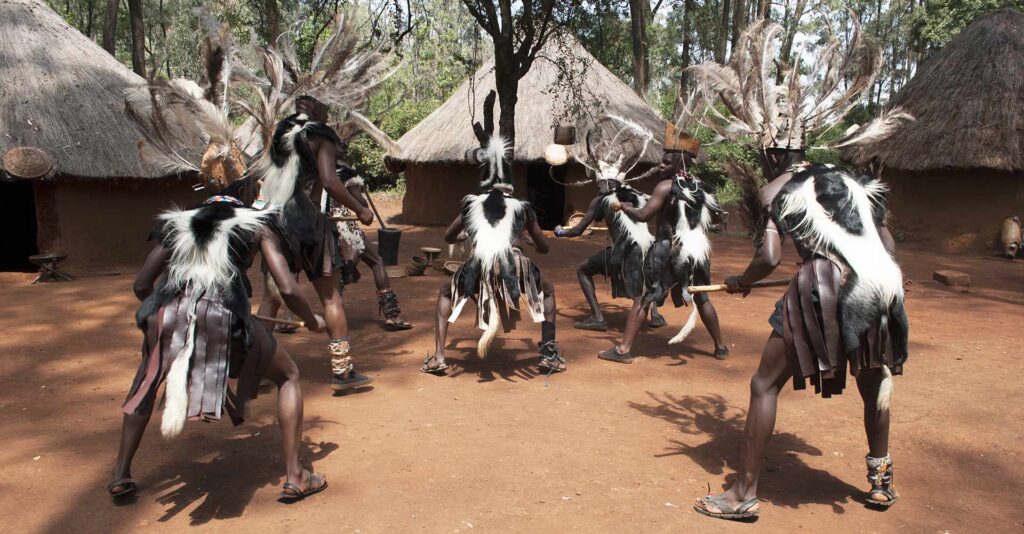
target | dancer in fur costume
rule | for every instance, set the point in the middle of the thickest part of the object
(299, 162)
(497, 275)
(614, 146)
(352, 241)
(681, 253)
(198, 333)
(844, 307)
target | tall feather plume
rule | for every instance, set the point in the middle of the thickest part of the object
(763, 109)
(179, 119)
(614, 146)
(342, 74)
(876, 130)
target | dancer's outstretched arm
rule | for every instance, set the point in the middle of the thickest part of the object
(581, 226)
(767, 257)
(270, 246)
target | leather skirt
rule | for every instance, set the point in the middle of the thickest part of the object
(811, 325)
(220, 354)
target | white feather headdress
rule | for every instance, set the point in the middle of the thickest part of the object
(772, 103)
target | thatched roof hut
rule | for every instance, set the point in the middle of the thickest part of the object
(62, 95)
(968, 102)
(959, 167)
(565, 85)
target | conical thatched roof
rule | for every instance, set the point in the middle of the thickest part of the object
(968, 102)
(62, 93)
(446, 134)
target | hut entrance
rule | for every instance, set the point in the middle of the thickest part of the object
(18, 224)
(546, 195)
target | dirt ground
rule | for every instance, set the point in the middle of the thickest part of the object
(494, 446)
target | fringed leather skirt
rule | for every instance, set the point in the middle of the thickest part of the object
(811, 324)
(506, 284)
(220, 353)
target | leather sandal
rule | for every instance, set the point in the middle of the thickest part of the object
(746, 510)
(315, 483)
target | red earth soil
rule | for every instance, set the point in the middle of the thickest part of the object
(494, 446)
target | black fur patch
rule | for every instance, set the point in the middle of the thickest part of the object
(278, 153)
(494, 207)
(206, 220)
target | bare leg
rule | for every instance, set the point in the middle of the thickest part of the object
(709, 317)
(444, 311)
(132, 428)
(768, 381)
(589, 291)
(634, 322)
(550, 308)
(284, 373)
(334, 307)
(876, 423)
(376, 264)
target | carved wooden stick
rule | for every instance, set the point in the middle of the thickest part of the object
(723, 287)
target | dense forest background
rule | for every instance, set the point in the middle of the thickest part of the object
(647, 43)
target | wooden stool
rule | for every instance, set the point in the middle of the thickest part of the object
(431, 253)
(48, 268)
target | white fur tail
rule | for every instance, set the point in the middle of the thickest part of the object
(688, 327)
(176, 388)
(490, 331)
(885, 390)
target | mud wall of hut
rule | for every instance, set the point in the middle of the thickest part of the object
(104, 225)
(954, 211)
(433, 191)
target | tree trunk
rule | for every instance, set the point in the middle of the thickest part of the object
(723, 33)
(507, 85)
(684, 56)
(639, 10)
(273, 21)
(792, 27)
(739, 20)
(138, 37)
(110, 26)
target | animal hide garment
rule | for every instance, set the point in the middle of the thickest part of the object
(634, 231)
(204, 259)
(495, 273)
(694, 219)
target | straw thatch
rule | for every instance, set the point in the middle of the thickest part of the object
(446, 134)
(968, 102)
(62, 93)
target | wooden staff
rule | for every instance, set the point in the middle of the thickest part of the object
(723, 287)
(343, 219)
(274, 320)
(366, 193)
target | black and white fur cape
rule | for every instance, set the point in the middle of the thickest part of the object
(285, 168)
(630, 231)
(210, 249)
(836, 215)
(494, 221)
(691, 220)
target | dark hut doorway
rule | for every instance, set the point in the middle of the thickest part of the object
(18, 221)
(546, 194)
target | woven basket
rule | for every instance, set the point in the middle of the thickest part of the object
(27, 162)
(451, 266)
(417, 266)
